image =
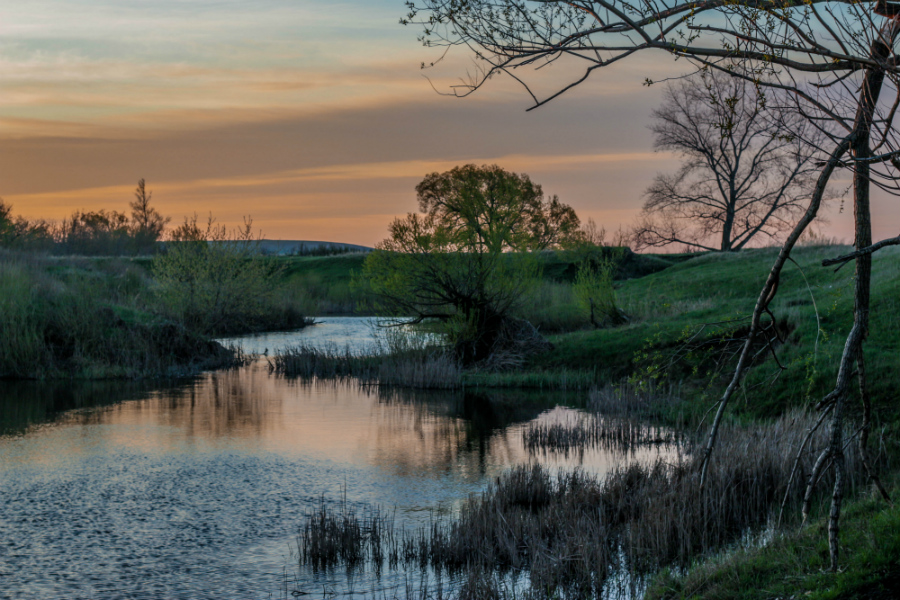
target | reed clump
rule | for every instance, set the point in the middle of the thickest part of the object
(399, 357)
(340, 536)
(574, 533)
(593, 431)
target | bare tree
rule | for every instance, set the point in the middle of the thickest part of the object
(832, 59)
(744, 168)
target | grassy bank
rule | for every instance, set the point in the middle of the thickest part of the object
(669, 301)
(83, 319)
(324, 286)
(795, 564)
(107, 318)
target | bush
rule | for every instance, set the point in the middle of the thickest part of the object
(217, 283)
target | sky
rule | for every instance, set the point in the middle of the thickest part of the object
(313, 118)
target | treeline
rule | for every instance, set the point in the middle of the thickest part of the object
(88, 233)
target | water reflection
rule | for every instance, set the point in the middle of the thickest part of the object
(195, 490)
(26, 404)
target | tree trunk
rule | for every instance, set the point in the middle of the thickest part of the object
(868, 100)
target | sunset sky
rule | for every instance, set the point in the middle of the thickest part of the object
(312, 117)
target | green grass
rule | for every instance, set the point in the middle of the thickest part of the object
(322, 284)
(669, 305)
(795, 564)
(667, 298)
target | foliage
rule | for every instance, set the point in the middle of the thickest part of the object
(94, 233)
(88, 233)
(73, 318)
(215, 280)
(18, 233)
(593, 286)
(467, 260)
(494, 210)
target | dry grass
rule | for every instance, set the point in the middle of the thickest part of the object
(429, 368)
(595, 431)
(575, 534)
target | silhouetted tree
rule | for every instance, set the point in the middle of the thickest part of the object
(744, 169)
(147, 224)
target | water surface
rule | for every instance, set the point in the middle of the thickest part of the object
(195, 489)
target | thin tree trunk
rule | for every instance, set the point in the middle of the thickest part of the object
(868, 100)
(768, 293)
(867, 427)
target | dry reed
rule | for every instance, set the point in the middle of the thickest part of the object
(571, 532)
(426, 368)
(595, 431)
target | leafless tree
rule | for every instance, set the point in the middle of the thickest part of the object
(836, 61)
(744, 168)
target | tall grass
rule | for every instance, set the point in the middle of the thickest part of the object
(77, 318)
(575, 534)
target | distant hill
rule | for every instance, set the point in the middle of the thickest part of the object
(302, 247)
(299, 247)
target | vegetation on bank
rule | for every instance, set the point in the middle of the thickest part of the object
(795, 564)
(109, 318)
(574, 533)
(669, 301)
(88, 319)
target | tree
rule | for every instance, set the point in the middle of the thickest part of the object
(17, 232)
(7, 224)
(594, 289)
(830, 58)
(98, 233)
(147, 224)
(496, 210)
(469, 258)
(744, 169)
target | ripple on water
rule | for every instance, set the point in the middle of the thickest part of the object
(196, 490)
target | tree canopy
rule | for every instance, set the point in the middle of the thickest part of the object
(468, 258)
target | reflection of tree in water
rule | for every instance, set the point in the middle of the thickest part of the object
(458, 431)
(25, 404)
(215, 404)
(220, 403)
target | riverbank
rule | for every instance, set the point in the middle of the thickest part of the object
(686, 323)
(106, 318)
(795, 564)
(686, 315)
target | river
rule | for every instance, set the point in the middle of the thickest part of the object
(194, 489)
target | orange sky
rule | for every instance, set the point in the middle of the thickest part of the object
(315, 120)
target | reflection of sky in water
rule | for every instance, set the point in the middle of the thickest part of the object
(197, 491)
(360, 334)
